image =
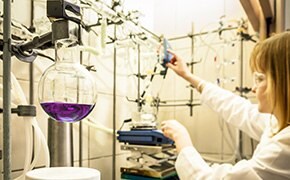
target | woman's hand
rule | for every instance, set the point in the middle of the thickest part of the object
(178, 66)
(177, 132)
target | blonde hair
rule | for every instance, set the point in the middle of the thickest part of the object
(272, 57)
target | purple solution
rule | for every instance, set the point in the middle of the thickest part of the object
(67, 112)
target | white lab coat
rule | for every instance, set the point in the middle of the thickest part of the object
(271, 158)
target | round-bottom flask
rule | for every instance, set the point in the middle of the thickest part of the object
(67, 90)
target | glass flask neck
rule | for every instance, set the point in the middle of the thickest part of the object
(67, 51)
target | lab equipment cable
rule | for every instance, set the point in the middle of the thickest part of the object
(127, 44)
(45, 56)
(20, 99)
(18, 96)
(223, 26)
(90, 49)
(125, 121)
(98, 126)
(210, 47)
(39, 137)
(103, 33)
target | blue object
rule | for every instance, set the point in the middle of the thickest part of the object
(126, 176)
(143, 137)
(167, 56)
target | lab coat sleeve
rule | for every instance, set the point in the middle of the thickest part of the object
(190, 166)
(269, 161)
(235, 110)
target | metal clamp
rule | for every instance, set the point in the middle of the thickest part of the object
(24, 110)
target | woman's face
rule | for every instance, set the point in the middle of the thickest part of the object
(259, 88)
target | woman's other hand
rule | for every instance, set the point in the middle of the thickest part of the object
(177, 132)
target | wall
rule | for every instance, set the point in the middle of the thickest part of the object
(172, 19)
(287, 15)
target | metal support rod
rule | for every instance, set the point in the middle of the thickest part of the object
(191, 68)
(7, 90)
(114, 107)
(31, 95)
(31, 83)
(139, 80)
(178, 100)
(173, 105)
(150, 32)
(31, 68)
(202, 33)
(32, 28)
(240, 138)
(80, 123)
(80, 144)
(70, 144)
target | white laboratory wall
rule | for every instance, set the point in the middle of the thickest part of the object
(176, 18)
(172, 19)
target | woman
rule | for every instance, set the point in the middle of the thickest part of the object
(268, 121)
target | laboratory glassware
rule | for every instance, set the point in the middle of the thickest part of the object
(67, 90)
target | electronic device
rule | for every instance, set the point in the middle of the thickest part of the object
(144, 137)
(166, 55)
